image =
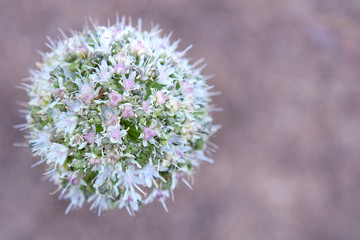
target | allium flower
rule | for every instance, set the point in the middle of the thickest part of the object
(119, 116)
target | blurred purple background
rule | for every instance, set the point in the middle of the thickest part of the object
(288, 166)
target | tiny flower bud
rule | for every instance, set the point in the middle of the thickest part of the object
(128, 112)
(90, 137)
(160, 97)
(149, 133)
(82, 51)
(94, 161)
(115, 98)
(129, 83)
(145, 106)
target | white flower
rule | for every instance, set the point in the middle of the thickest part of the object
(129, 82)
(160, 97)
(148, 174)
(100, 202)
(66, 123)
(138, 48)
(115, 134)
(174, 104)
(75, 106)
(130, 202)
(160, 195)
(77, 141)
(105, 173)
(119, 116)
(129, 180)
(105, 40)
(164, 75)
(104, 73)
(87, 93)
(41, 143)
(57, 153)
(76, 197)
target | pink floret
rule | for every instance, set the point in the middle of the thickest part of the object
(149, 133)
(160, 97)
(145, 106)
(115, 98)
(128, 112)
(90, 137)
(129, 84)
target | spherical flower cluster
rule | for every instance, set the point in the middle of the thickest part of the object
(119, 116)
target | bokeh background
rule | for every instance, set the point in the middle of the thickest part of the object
(288, 164)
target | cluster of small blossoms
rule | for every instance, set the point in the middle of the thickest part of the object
(119, 116)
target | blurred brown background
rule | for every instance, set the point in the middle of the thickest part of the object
(288, 166)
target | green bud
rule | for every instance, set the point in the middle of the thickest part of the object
(142, 120)
(57, 72)
(170, 120)
(56, 83)
(96, 151)
(93, 114)
(96, 57)
(106, 86)
(113, 87)
(70, 86)
(199, 144)
(102, 189)
(133, 150)
(70, 57)
(139, 113)
(38, 125)
(98, 119)
(159, 113)
(77, 165)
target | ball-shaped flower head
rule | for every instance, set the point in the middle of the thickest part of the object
(119, 116)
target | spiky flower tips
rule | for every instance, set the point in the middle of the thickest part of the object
(119, 116)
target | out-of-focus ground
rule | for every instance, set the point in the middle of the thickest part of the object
(288, 166)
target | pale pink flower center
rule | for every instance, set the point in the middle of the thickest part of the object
(128, 84)
(94, 161)
(113, 157)
(60, 92)
(178, 152)
(115, 98)
(138, 46)
(102, 75)
(87, 97)
(145, 106)
(186, 87)
(119, 67)
(160, 97)
(128, 112)
(90, 137)
(149, 133)
(115, 133)
(83, 49)
(113, 120)
(74, 180)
